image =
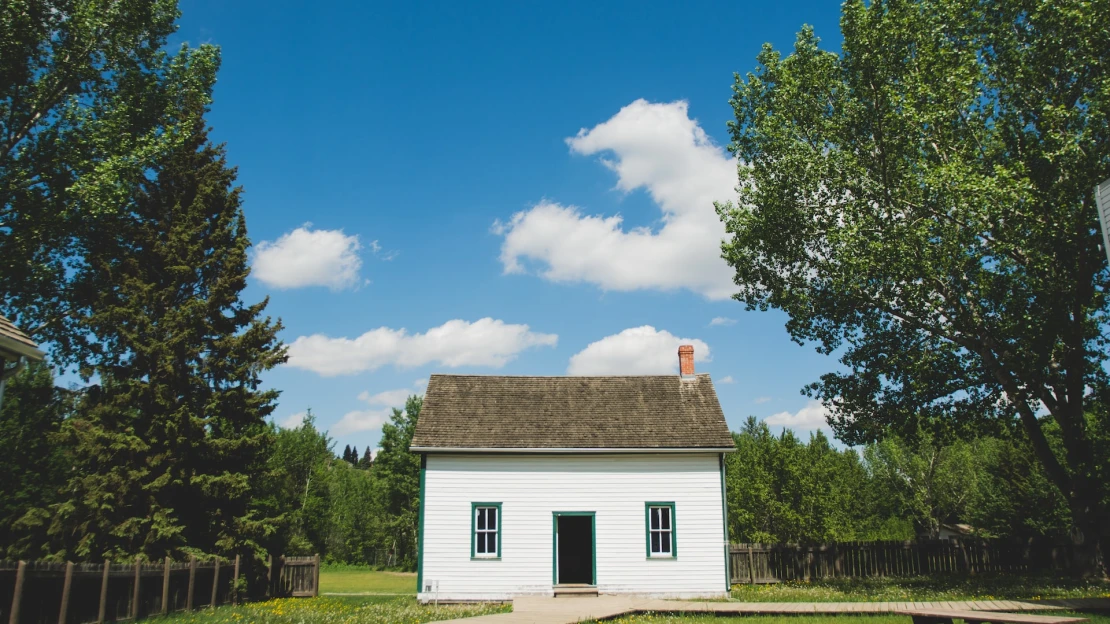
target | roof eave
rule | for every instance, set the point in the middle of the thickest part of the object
(536, 450)
(19, 349)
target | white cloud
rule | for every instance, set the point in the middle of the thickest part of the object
(635, 351)
(812, 416)
(727, 379)
(721, 320)
(291, 421)
(306, 257)
(389, 398)
(420, 383)
(485, 342)
(656, 147)
(762, 399)
(361, 420)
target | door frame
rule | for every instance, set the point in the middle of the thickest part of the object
(555, 544)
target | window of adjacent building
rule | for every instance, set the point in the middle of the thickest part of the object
(486, 523)
(661, 530)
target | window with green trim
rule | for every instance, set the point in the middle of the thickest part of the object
(661, 530)
(486, 523)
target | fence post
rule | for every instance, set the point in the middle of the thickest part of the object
(235, 583)
(192, 582)
(67, 584)
(17, 595)
(751, 565)
(103, 592)
(316, 577)
(270, 576)
(135, 590)
(166, 587)
(215, 580)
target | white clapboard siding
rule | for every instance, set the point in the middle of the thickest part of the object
(531, 487)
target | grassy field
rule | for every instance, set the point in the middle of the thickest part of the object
(363, 580)
(924, 588)
(658, 618)
(335, 610)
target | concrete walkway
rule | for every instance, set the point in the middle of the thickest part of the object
(566, 610)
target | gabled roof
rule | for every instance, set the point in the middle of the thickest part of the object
(501, 413)
(14, 343)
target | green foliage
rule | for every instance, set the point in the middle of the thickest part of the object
(780, 489)
(930, 484)
(34, 466)
(168, 445)
(922, 205)
(89, 101)
(344, 512)
(397, 472)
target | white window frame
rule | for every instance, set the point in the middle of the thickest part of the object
(475, 531)
(655, 510)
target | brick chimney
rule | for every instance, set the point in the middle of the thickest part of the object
(686, 361)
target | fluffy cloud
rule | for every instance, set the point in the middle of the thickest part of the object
(291, 421)
(485, 342)
(721, 320)
(306, 257)
(361, 420)
(364, 420)
(727, 379)
(656, 147)
(635, 351)
(812, 416)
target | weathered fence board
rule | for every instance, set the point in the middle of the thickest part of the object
(38, 592)
(774, 563)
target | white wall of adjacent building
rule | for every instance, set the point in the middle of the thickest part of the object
(531, 487)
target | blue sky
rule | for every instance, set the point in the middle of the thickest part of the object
(496, 188)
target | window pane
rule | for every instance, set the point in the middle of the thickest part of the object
(665, 514)
(655, 517)
(481, 543)
(491, 522)
(666, 539)
(654, 542)
(491, 543)
(482, 518)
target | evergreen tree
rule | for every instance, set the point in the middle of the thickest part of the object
(33, 468)
(367, 460)
(170, 444)
(347, 453)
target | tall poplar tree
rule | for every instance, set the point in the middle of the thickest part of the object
(170, 444)
(922, 205)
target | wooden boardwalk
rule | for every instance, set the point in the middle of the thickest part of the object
(543, 610)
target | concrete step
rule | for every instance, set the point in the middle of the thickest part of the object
(575, 590)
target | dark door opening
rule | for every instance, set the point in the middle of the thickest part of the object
(575, 539)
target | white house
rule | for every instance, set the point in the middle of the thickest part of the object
(551, 485)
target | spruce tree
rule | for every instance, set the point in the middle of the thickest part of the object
(367, 460)
(171, 444)
(347, 453)
(34, 467)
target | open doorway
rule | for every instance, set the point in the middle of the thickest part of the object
(574, 548)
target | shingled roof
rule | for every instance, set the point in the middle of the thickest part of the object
(498, 412)
(14, 343)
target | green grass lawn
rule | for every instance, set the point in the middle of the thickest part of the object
(335, 610)
(924, 588)
(661, 618)
(363, 580)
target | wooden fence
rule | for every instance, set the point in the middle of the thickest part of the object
(38, 592)
(774, 563)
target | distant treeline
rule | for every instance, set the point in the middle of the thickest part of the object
(783, 489)
(354, 509)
